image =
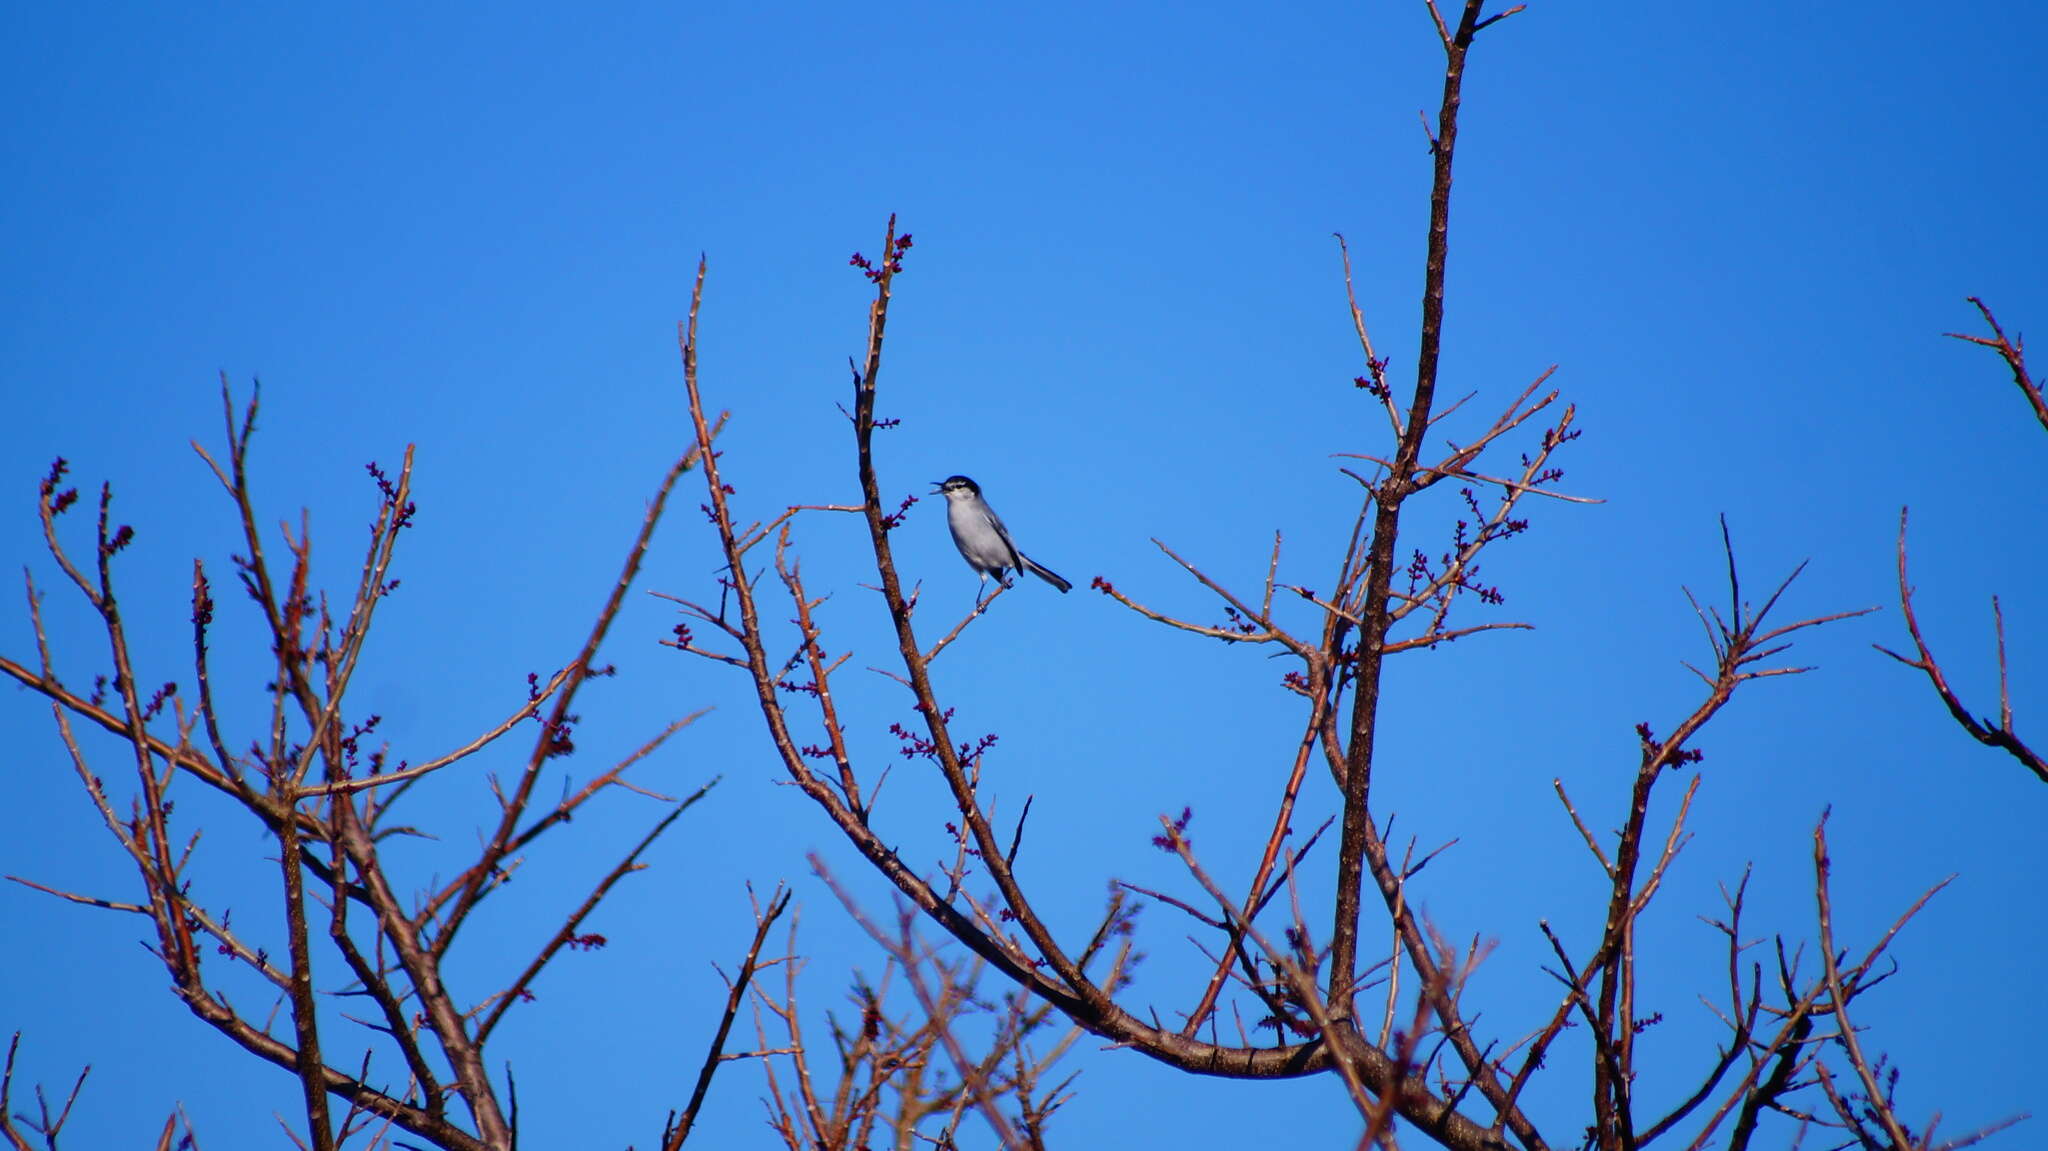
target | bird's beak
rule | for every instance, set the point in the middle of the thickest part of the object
(938, 485)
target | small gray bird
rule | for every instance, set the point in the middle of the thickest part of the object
(983, 540)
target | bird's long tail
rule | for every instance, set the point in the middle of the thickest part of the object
(1047, 574)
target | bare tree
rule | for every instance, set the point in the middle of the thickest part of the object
(313, 778)
(1415, 1054)
(1358, 986)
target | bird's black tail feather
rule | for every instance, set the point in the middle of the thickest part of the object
(1047, 574)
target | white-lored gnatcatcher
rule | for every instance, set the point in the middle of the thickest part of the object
(983, 540)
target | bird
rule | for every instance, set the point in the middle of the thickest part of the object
(983, 540)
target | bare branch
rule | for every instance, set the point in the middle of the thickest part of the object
(678, 1127)
(1997, 733)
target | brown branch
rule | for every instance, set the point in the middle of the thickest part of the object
(1386, 1075)
(2014, 353)
(979, 609)
(361, 783)
(1266, 632)
(1839, 994)
(404, 1031)
(677, 1129)
(1358, 849)
(1377, 1081)
(821, 674)
(1990, 733)
(566, 935)
(1783, 1056)
(1373, 364)
(305, 1009)
(88, 900)
(1739, 641)
(1281, 822)
(475, 882)
(185, 758)
(1741, 1021)
(47, 1126)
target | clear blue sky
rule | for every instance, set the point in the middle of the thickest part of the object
(1739, 229)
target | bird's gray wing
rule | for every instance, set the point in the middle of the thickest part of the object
(996, 522)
